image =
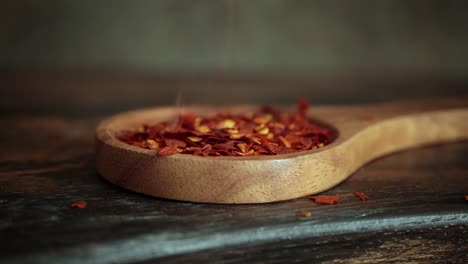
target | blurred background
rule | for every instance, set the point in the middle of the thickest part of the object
(116, 55)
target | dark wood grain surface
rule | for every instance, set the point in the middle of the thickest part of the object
(416, 211)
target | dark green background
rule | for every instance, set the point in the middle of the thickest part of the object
(287, 36)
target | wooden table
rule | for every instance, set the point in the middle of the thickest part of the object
(416, 210)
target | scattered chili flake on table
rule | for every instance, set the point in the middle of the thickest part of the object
(325, 199)
(80, 204)
(361, 196)
(303, 213)
(265, 132)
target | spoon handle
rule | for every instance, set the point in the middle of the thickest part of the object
(403, 132)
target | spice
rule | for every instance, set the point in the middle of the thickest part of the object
(265, 132)
(80, 204)
(325, 199)
(361, 196)
(303, 213)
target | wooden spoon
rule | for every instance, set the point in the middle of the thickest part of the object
(365, 132)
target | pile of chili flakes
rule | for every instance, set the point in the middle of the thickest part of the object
(266, 132)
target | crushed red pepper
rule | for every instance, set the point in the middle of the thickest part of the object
(325, 199)
(80, 204)
(304, 213)
(266, 132)
(361, 196)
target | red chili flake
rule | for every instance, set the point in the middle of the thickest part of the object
(175, 143)
(304, 213)
(325, 199)
(361, 196)
(302, 105)
(80, 204)
(167, 151)
(266, 132)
